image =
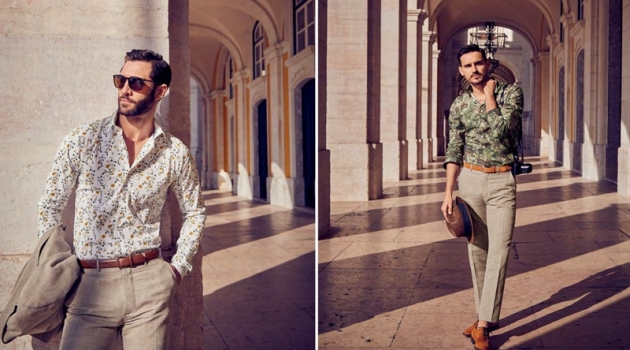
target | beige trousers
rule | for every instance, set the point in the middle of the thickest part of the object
(492, 198)
(128, 302)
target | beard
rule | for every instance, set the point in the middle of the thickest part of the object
(140, 107)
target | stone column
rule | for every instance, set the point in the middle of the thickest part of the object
(323, 154)
(187, 304)
(433, 116)
(623, 177)
(537, 98)
(279, 189)
(393, 90)
(426, 93)
(545, 103)
(220, 177)
(440, 126)
(568, 137)
(244, 185)
(415, 18)
(353, 100)
(208, 140)
(595, 97)
(553, 98)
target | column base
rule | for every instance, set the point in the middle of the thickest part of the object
(356, 171)
(395, 160)
(593, 162)
(623, 172)
(419, 154)
(567, 155)
(245, 186)
(281, 191)
(222, 181)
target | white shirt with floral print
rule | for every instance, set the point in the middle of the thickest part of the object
(118, 207)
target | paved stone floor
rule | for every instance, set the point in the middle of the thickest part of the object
(391, 276)
(258, 275)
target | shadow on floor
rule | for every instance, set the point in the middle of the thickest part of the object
(274, 309)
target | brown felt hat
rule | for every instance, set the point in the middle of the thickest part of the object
(461, 224)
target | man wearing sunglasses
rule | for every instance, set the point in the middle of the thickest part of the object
(122, 167)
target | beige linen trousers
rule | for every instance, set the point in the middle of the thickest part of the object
(492, 200)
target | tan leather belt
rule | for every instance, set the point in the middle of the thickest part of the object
(492, 169)
(128, 261)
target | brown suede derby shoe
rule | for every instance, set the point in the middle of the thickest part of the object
(480, 337)
(468, 331)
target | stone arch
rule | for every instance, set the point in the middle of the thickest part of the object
(261, 11)
(229, 43)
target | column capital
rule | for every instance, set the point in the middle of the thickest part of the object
(275, 51)
(240, 75)
(433, 38)
(568, 19)
(552, 40)
(417, 15)
(216, 94)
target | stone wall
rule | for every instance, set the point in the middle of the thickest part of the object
(58, 58)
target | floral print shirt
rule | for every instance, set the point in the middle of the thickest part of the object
(118, 207)
(485, 138)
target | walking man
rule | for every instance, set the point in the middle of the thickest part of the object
(484, 123)
(122, 167)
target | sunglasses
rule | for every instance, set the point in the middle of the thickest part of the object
(135, 83)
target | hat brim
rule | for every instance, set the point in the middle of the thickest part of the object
(460, 222)
(469, 231)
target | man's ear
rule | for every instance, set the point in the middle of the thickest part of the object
(461, 71)
(161, 91)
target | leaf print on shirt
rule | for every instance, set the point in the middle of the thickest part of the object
(118, 208)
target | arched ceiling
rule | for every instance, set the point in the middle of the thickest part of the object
(534, 19)
(217, 25)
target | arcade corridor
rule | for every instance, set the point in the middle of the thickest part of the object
(391, 276)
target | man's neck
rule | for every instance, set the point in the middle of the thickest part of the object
(138, 128)
(477, 89)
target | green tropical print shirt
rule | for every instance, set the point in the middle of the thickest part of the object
(485, 138)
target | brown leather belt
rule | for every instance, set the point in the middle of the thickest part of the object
(492, 169)
(128, 261)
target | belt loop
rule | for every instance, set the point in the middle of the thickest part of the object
(496, 169)
(146, 261)
(160, 252)
(98, 264)
(118, 262)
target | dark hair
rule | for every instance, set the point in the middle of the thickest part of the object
(468, 49)
(160, 70)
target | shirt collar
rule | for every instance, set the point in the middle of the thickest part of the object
(156, 133)
(497, 88)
